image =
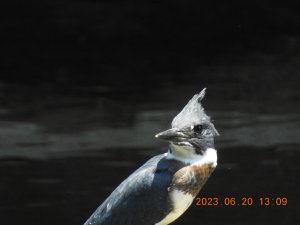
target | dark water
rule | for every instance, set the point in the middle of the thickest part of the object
(61, 156)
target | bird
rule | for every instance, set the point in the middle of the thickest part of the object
(162, 189)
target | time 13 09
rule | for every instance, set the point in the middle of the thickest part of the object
(244, 201)
(266, 201)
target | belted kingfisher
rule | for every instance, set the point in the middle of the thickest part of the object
(163, 188)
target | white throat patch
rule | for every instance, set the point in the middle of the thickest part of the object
(181, 153)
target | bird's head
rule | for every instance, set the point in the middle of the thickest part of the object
(192, 131)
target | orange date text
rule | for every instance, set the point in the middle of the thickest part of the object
(243, 201)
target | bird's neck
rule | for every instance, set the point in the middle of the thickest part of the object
(188, 156)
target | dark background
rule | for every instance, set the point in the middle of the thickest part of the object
(85, 85)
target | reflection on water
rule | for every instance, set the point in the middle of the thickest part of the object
(59, 163)
(39, 140)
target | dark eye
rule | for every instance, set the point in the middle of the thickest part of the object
(198, 129)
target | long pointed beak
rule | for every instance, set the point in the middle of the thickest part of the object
(170, 134)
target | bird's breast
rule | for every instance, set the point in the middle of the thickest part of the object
(186, 183)
(190, 179)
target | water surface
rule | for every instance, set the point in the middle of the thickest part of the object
(61, 156)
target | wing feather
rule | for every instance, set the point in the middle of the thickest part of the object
(140, 199)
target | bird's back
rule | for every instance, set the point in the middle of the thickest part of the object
(141, 198)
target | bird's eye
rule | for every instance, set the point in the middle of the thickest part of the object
(198, 128)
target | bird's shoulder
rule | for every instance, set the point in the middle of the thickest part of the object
(157, 172)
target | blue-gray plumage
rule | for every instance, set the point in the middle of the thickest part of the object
(141, 198)
(165, 186)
